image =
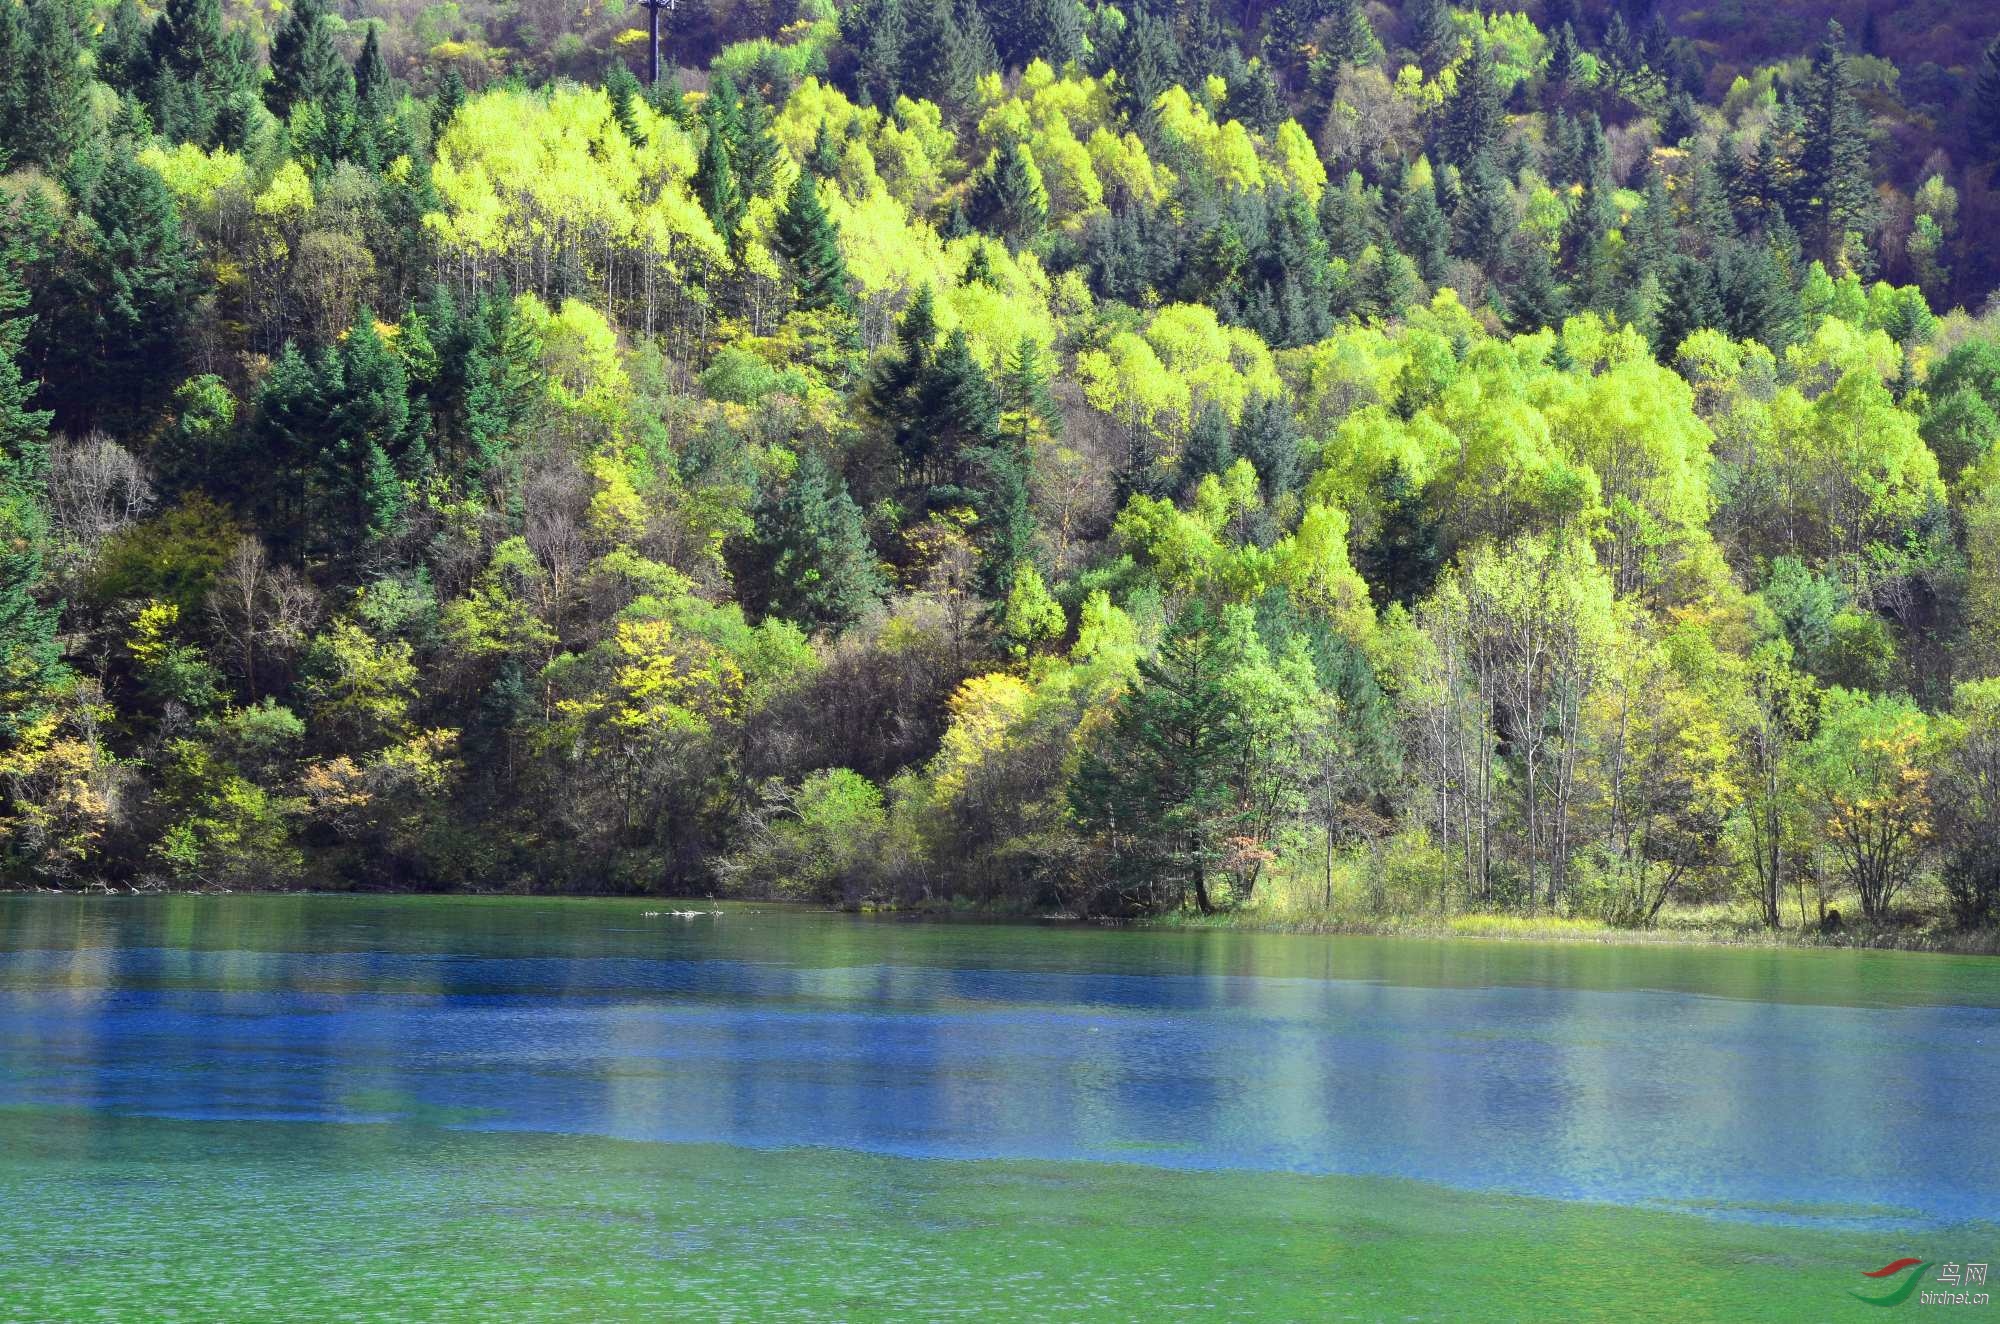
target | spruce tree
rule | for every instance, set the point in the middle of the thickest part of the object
(714, 182)
(1208, 450)
(1485, 216)
(969, 55)
(1986, 103)
(1421, 228)
(824, 158)
(812, 562)
(1473, 117)
(1431, 34)
(1559, 74)
(810, 245)
(880, 35)
(1060, 39)
(44, 102)
(450, 95)
(305, 65)
(1017, 201)
(30, 660)
(110, 340)
(623, 90)
(1834, 160)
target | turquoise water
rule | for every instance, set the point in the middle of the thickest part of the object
(157, 1053)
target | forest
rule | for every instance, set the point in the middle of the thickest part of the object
(1045, 456)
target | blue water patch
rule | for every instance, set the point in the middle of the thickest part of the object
(1851, 1113)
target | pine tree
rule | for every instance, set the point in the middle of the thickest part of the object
(1061, 39)
(1017, 201)
(30, 659)
(445, 102)
(1834, 161)
(1473, 118)
(1208, 450)
(1421, 229)
(715, 186)
(1986, 103)
(810, 245)
(43, 85)
(1431, 33)
(306, 67)
(110, 339)
(812, 561)
(969, 56)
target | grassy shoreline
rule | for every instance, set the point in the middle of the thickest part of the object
(1705, 927)
(1684, 931)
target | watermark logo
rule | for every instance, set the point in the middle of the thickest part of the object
(1908, 1276)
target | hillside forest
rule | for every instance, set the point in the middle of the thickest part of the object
(1045, 456)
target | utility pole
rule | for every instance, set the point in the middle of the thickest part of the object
(654, 9)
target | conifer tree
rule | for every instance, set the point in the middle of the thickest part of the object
(1421, 228)
(306, 68)
(1060, 39)
(1834, 159)
(810, 246)
(969, 55)
(1986, 102)
(1472, 117)
(30, 660)
(824, 158)
(1208, 450)
(1431, 34)
(109, 340)
(812, 562)
(42, 85)
(715, 180)
(879, 31)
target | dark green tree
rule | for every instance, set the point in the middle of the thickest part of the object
(109, 340)
(1985, 110)
(43, 85)
(1422, 230)
(1155, 790)
(30, 658)
(306, 66)
(1208, 450)
(811, 561)
(1834, 159)
(1473, 117)
(810, 246)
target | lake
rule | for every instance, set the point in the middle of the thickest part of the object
(307, 1107)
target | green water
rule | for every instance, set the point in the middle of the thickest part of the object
(251, 1108)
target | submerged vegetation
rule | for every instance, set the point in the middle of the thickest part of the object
(1337, 459)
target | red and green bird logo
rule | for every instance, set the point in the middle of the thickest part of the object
(1912, 1270)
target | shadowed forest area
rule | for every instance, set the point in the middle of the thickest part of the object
(1315, 459)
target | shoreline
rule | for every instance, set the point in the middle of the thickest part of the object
(1481, 927)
